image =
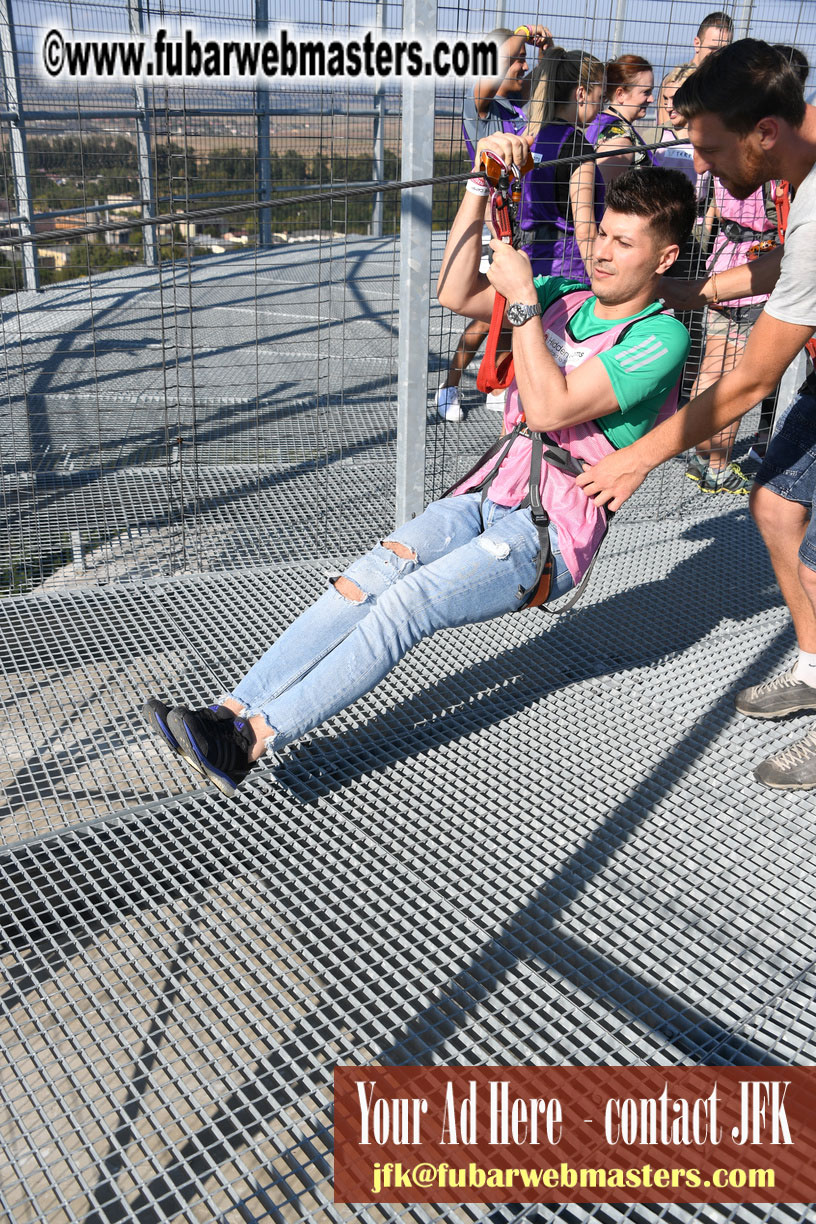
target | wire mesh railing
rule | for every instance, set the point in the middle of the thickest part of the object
(168, 402)
(187, 449)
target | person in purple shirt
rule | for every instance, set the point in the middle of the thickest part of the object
(496, 105)
(562, 200)
(629, 92)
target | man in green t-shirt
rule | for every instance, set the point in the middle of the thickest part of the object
(642, 369)
(594, 368)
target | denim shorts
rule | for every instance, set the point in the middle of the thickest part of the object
(733, 323)
(789, 467)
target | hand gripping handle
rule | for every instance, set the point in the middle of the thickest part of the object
(505, 195)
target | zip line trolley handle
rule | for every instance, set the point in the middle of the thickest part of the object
(505, 193)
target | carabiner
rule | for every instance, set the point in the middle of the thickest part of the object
(505, 194)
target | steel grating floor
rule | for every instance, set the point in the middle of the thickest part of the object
(114, 375)
(538, 841)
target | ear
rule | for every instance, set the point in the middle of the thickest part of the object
(667, 257)
(696, 44)
(580, 95)
(767, 131)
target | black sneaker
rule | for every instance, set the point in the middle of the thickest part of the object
(155, 713)
(220, 746)
(730, 479)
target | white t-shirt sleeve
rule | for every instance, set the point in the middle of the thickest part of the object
(794, 297)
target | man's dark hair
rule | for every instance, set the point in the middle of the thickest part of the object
(797, 60)
(741, 84)
(665, 197)
(716, 21)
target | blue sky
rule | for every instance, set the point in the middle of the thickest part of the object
(662, 30)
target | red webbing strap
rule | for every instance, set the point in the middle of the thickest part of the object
(782, 213)
(492, 377)
(506, 184)
(782, 208)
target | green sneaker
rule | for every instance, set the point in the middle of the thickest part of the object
(696, 468)
(729, 479)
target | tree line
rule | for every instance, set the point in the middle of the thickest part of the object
(70, 172)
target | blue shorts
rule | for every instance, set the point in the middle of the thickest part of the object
(789, 467)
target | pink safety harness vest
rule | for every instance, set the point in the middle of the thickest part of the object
(536, 469)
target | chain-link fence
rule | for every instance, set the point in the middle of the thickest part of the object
(526, 846)
(171, 383)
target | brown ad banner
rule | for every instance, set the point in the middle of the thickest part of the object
(575, 1134)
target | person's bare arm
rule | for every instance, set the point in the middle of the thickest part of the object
(620, 156)
(486, 88)
(551, 399)
(744, 280)
(771, 347)
(582, 203)
(461, 286)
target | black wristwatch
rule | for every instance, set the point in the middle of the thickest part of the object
(520, 312)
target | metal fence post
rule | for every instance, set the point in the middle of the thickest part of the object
(136, 18)
(419, 21)
(264, 235)
(742, 18)
(617, 33)
(17, 143)
(379, 143)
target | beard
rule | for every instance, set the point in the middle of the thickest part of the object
(743, 188)
(608, 291)
(752, 174)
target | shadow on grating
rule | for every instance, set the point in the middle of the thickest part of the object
(538, 841)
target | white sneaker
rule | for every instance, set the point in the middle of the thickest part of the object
(494, 400)
(448, 405)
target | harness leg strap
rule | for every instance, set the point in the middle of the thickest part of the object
(539, 592)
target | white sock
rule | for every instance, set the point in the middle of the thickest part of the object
(805, 669)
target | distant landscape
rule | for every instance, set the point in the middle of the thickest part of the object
(207, 160)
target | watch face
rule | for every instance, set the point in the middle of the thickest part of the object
(519, 313)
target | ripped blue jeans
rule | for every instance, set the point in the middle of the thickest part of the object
(464, 567)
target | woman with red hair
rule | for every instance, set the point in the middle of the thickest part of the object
(629, 92)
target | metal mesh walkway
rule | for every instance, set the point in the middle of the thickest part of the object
(538, 841)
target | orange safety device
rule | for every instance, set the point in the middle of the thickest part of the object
(505, 198)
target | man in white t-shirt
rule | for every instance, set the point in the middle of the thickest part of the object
(748, 123)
